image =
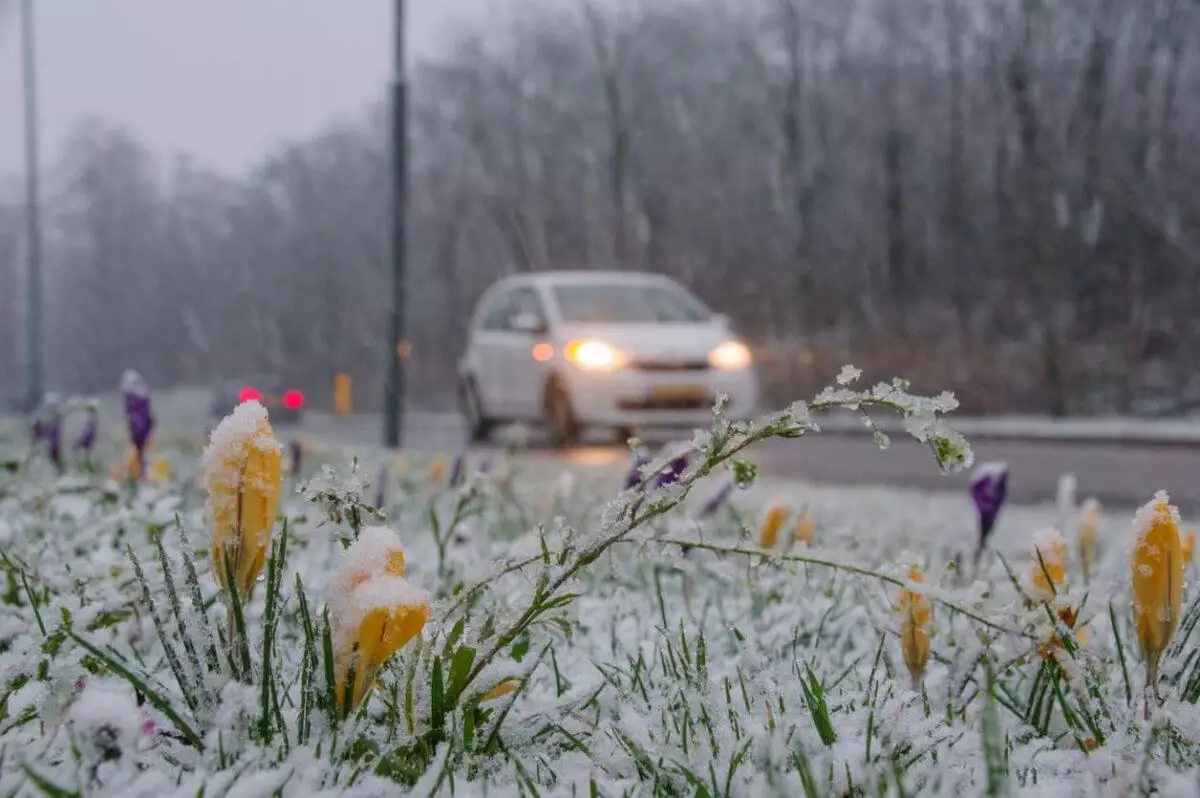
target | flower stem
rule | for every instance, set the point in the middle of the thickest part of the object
(854, 569)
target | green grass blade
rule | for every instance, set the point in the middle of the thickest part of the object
(193, 583)
(114, 663)
(189, 646)
(814, 696)
(992, 735)
(47, 787)
(1112, 616)
(239, 645)
(331, 703)
(181, 676)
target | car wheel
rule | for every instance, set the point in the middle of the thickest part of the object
(565, 429)
(479, 426)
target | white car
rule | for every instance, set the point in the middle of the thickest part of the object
(588, 349)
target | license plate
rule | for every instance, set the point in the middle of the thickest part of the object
(678, 393)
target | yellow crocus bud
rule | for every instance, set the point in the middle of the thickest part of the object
(1088, 526)
(1068, 618)
(437, 471)
(916, 614)
(160, 471)
(771, 523)
(1049, 560)
(378, 634)
(1188, 545)
(126, 470)
(375, 612)
(241, 470)
(500, 690)
(504, 477)
(377, 552)
(805, 530)
(1157, 576)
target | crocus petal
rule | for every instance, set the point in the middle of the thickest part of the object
(241, 470)
(670, 475)
(500, 690)
(717, 500)
(1157, 576)
(989, 487)
(297, 456)
(916, 613)
(633, 477)
(773, 518)
(381, 481)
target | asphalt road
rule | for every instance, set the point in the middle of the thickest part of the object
(1118, 474)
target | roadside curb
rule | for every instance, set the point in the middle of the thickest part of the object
(1132, 433)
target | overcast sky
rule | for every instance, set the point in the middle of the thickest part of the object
(223, 80)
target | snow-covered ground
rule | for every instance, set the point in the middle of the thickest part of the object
(675, 658)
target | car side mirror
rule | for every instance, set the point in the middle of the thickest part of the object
(528, 323)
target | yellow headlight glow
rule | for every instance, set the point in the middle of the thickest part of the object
(596, 356)
(730, 356)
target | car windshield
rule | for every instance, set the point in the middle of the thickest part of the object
(628, 303)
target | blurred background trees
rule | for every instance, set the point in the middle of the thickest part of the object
(995, 196)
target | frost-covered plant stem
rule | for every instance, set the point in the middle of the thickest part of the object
(846, 567)
(723, 445)
(466, 506)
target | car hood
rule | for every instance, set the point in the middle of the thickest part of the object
(654, 341)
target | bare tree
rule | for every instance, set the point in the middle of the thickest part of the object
(994, 195)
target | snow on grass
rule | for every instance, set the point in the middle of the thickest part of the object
(670, 656)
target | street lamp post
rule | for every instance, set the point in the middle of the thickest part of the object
(35, 373)
(397, 346)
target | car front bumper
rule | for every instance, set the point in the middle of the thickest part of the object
(632, 398)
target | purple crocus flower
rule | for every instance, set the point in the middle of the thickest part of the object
(297, 453)
(137, 412)
(670, 475)
(47, 428)
(381, 481)
(717, 500)
(87, 438)
(989, 487)
(456, 470)
(633, 477)
(52, 433)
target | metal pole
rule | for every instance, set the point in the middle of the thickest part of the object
(35, 374)
(397, 347)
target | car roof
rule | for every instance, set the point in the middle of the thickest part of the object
(581, 276)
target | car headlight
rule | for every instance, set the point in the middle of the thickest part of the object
(730, 356)
(596, 356)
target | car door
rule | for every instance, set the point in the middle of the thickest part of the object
(524, 372)
(488, 344)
